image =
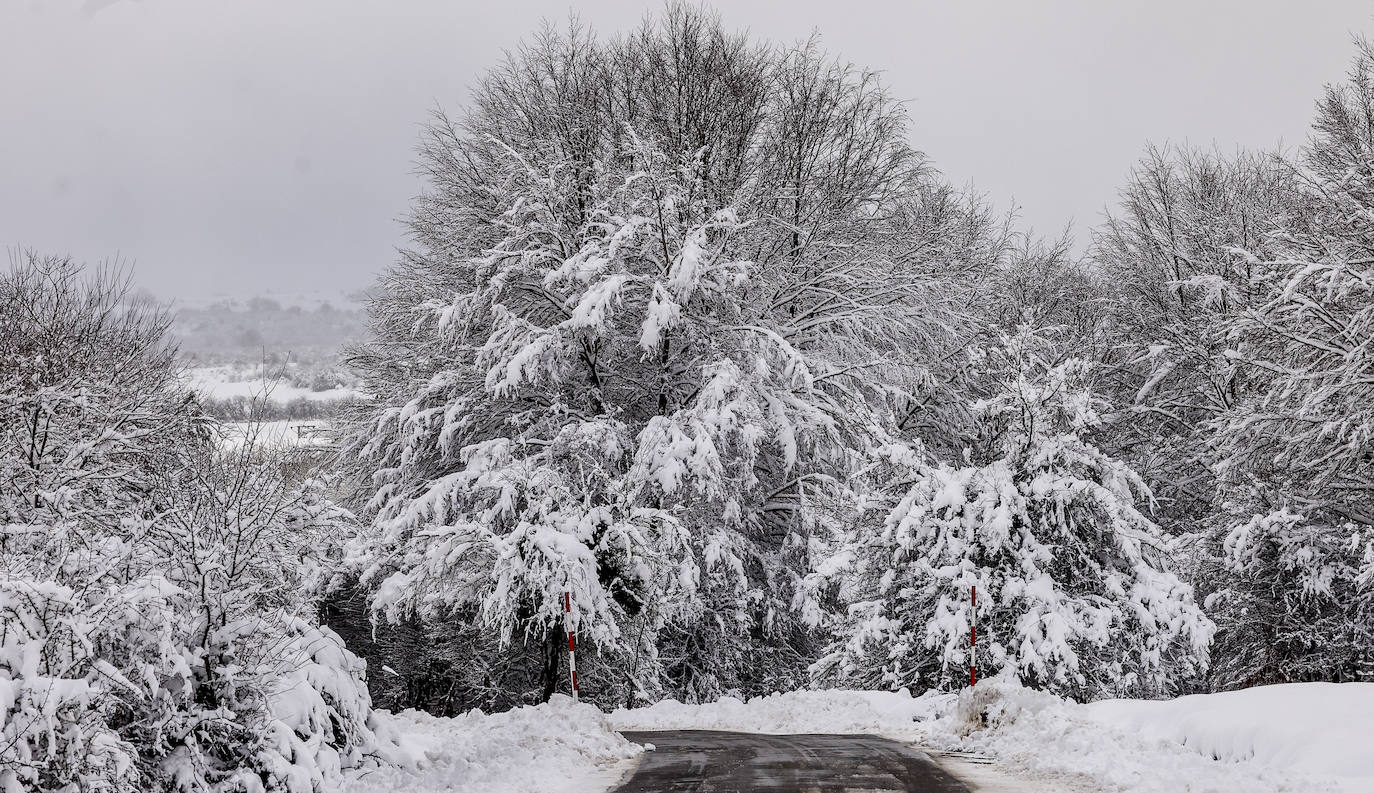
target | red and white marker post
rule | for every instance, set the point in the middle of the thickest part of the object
(973, 638)
(572, 645)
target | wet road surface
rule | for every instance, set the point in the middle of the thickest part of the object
(706, 761)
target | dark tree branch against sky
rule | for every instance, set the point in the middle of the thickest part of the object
(234, 146)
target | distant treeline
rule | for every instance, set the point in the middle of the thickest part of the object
(243, 408)
(229, 331)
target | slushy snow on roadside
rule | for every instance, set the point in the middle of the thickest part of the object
(557, 747)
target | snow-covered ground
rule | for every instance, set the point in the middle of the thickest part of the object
(282, 434)
(557, 747)
(1322, 730)
(1149, 747)
(1301, 738)
(1296, 738)
(229, 382)
(832, 711)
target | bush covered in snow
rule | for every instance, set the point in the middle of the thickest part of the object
(1073, 589)
(1291, 600)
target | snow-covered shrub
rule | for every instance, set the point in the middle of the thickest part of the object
(1289, 603)
(996, 703)
(1073, 592)
(177, 653)
(52, 733)
(114, 691)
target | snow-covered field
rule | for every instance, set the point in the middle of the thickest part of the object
(282, 434)
(834, 711)
(1300, 738)
(230, 382)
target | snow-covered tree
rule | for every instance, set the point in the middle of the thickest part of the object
(153, 628)
(1288, 603)
(1040, 283)
(618, 423)
(1072, 588)
(640, 341)
(89, 398)
(1183, 254)
(1295, 460)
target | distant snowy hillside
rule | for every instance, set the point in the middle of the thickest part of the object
(307, 301)
(310, 329)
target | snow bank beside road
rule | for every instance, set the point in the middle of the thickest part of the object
(1134, 746)
(558, 747)
(1302, 738)
(1321, 729)
(833, 711)
(1298, 738)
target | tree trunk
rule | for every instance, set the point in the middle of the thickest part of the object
(553, 646)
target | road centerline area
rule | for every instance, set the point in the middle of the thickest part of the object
(711, 761)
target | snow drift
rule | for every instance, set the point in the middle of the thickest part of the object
(1258, 741)
(1315, 728)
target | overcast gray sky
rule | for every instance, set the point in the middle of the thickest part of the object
(231, 146)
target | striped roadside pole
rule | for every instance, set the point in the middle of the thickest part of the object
(572, 645)
(973, 638)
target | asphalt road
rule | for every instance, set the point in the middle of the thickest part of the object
(706, 761)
